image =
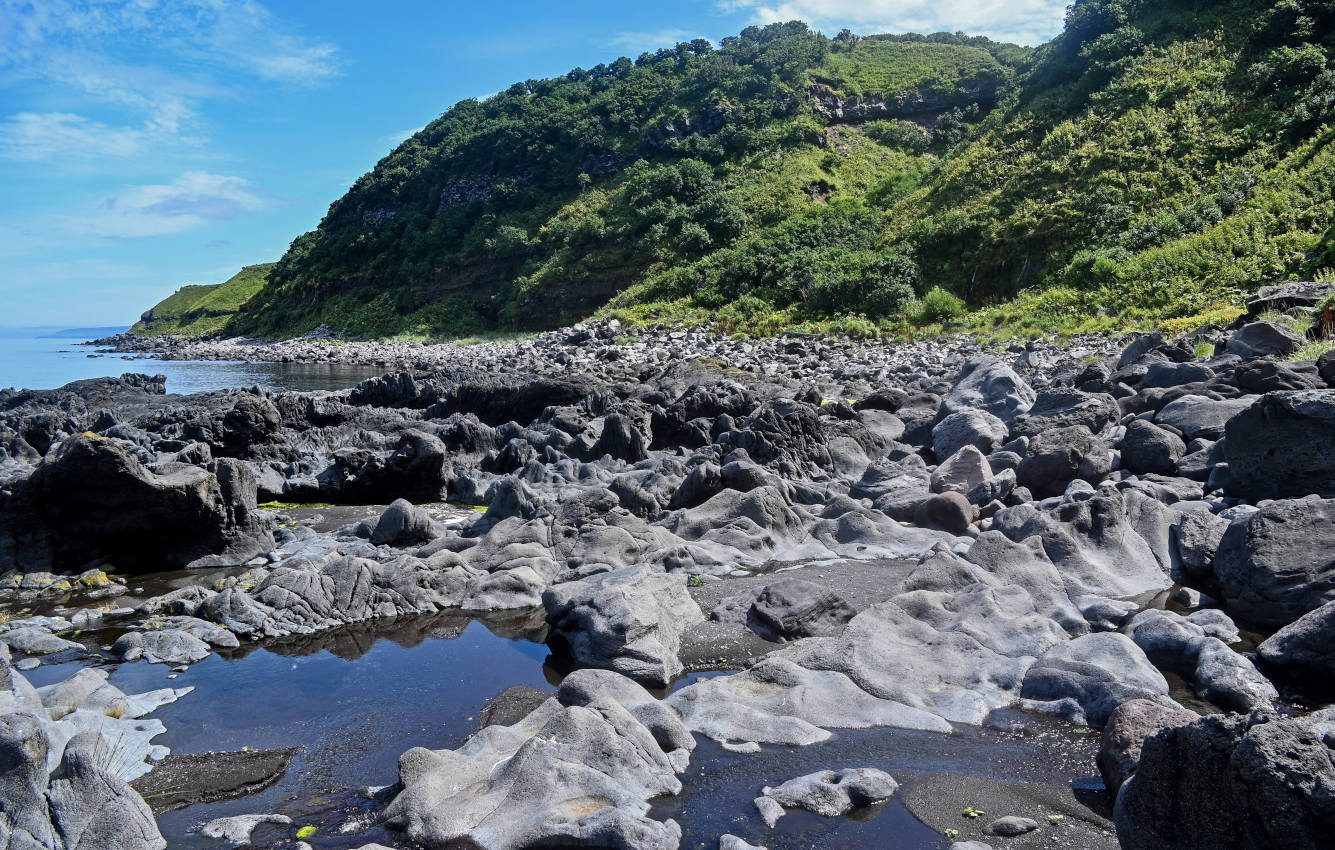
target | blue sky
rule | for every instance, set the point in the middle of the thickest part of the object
(145, 144)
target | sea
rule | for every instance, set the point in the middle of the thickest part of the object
(50, 357)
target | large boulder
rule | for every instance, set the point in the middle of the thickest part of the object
(1283, 445)
(1286, 296)
(1304, 648)
(627, 620)
(1060, 456)
(986, 383)
(828, 793)
(1087, 678)
(1131, 723)
(1195, 416)
(92, 500)
(1063, 408)
(1264, 339)
(1230, 782)
(578, 771)
(1147, 448)
(976, 428)
(1276, 564)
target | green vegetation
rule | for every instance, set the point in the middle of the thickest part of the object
(1145, 169)
(203, 309)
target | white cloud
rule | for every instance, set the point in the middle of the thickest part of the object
(1022, 21)
(138, 69)
(402, 135)
(191, 200)
(642, 41)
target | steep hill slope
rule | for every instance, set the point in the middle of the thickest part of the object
(537, 205)
(1149, 164)
(203, 308)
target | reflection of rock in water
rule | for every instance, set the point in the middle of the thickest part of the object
(356, 640)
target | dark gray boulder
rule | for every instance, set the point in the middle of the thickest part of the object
(949, 512)
(1264, 339)
(1195, 416)
(1283, 445)
(1304, 648)
(1278, 563)
(1325, 367)
(1060, 456)
(1175, 375)
(986, 383)
(404, 524)
(1063, 408)
(92, 499)
(976, 428)
(1286, 296)
(1147, 448)
(1230, 782)
(1267, 376)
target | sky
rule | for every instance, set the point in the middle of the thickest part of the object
(148, 144)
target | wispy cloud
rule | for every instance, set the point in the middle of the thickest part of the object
(191, 200)
(652, 40)
(402, 135)
(139, 68)
(1023, 21)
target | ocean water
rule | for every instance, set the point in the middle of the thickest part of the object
(46, 358)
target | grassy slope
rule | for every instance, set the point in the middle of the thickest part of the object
(202, 309)
(1154, 163)
(562, 256)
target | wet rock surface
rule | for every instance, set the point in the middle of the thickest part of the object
(967, 530)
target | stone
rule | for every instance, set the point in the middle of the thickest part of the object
(1278, 563)
(404, 524)
(1011, 826)
(732, 842)
(94, 809)
(1264, 339)
(1146, 448)
(1096, 673)
(36, 641)
(986, 383)
(830, 793)
(1286, 296)
(1125, 733)
(1283, 445)
(949, 512)
(1065, 408)
(165, 646)
(1325, 367)
(961, 472)
(1304, 648)
(1195, 416)
(1230, 782)
(1058, 457)
(237, 829)
(627, 620)
(787, 609)
(976, 428)
(565, 774)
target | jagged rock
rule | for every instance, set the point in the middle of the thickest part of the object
(1286, 296)
(1198, 417)
(1278, 563)
(1283, 445)
(1124, 735)
(732, 842)
(1059, 408)
(627, 620)
(1230, 781)
(165, 646)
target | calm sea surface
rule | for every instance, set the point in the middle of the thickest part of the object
(37, 359)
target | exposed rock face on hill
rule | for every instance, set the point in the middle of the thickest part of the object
(977, 531)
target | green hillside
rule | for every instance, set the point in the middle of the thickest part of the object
(203, 309)
(1149, 165)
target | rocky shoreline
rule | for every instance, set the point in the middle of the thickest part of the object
(861, 535)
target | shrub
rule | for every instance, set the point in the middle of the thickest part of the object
(939, 305)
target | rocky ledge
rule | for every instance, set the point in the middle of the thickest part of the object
(961, 530)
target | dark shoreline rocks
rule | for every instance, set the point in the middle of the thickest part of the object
(1017, 507)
